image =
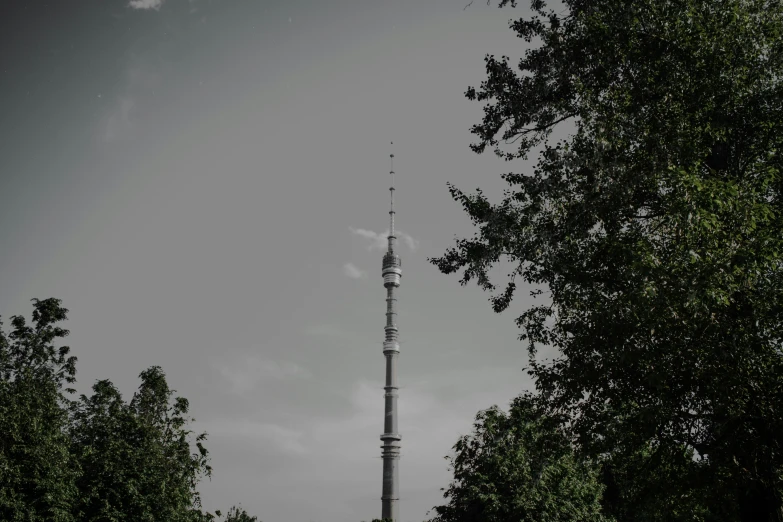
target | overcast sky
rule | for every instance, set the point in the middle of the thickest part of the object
(202, 182)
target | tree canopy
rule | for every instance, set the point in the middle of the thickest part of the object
(135, 457)
(654, 230)
(96, 459)
(520, 466)
(37, 472)
(239, 515)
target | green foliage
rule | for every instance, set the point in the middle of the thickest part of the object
(655, 229)
(642, 485)
(235, 515)
(136, 457)
(97, 459)
(520, 466)
(37, 473)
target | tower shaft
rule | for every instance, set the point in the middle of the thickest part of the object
(390, 453)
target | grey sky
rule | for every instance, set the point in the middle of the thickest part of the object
(202, 183)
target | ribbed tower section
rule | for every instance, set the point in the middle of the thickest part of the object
(392, 271)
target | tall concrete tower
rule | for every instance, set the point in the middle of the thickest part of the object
(390, 499)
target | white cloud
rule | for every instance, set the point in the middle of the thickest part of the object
(139, 80)
(330, 452)
(378, 241)
(145, 4)
(352, 271)
(413, 244)
(246, 374)
(119, 119)
(432, 416)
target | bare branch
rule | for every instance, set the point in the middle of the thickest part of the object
(525, 132)
(471, 1)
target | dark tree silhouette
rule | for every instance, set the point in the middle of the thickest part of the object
(655, 231)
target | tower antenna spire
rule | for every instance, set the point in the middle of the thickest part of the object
(392, 271)
(391, 209)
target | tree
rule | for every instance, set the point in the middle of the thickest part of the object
(97, 459)
(236, 515)
(136, 457)
(638, 486)
(520, 466)
(654, 229)
(37, 473)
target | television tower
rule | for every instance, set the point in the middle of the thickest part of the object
(392, 271)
